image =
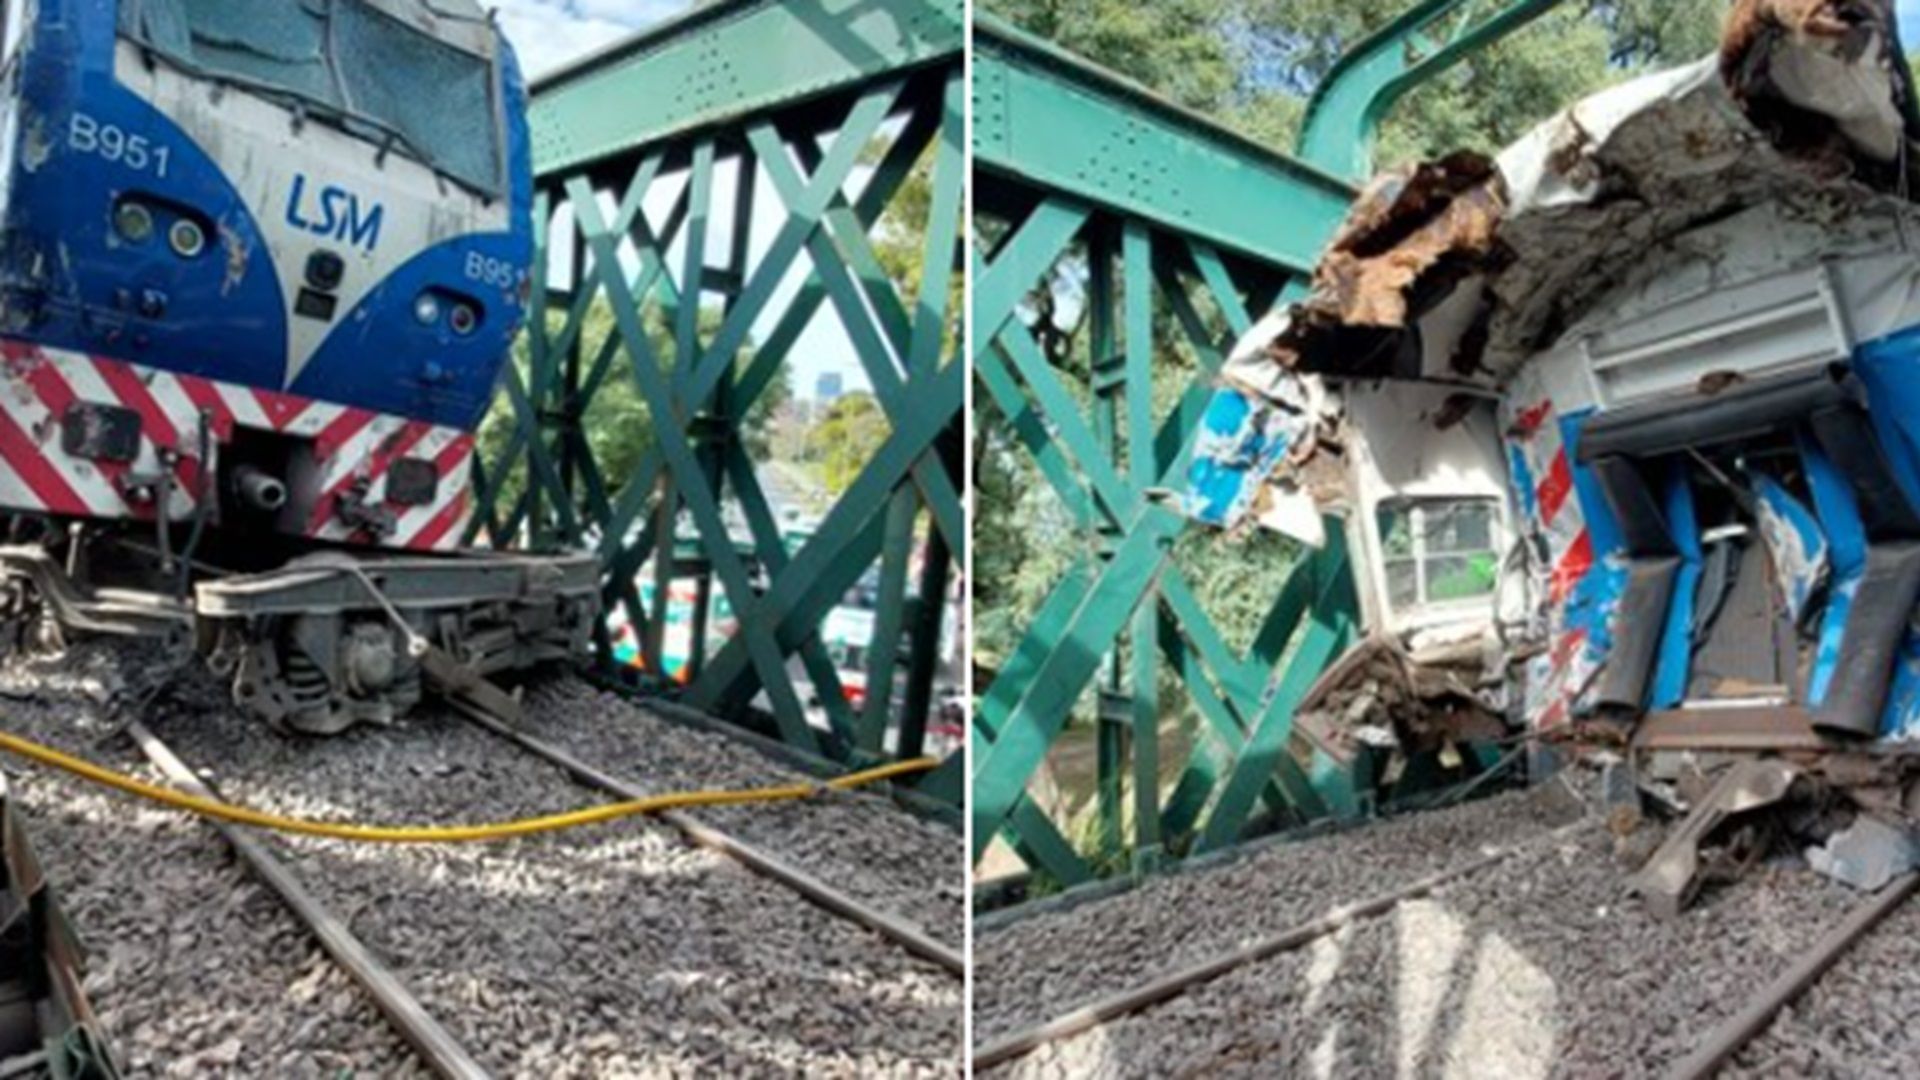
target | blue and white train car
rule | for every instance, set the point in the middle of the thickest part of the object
(1628, 415)
(263, 260)
(261, 263)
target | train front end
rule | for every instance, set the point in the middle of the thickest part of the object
(263, 261)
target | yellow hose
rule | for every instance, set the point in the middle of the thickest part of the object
(438, 834)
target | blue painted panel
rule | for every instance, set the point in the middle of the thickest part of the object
(1595, 599)
(1839, 516)
(1889, 367)
(1242, 439)
(1676, 639)
(68, 278)
(1795, 542)
(1523, 483)
(1901, 719)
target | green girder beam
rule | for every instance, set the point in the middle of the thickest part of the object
(1364, 85)
(786, 104)
(1054, 122)
(726, 61)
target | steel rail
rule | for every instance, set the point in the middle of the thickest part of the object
(434, 1043)
(1724, 1041)
(1175, 983)
(890, 926)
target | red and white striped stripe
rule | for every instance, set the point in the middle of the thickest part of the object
(1555, 679)
(350, 444)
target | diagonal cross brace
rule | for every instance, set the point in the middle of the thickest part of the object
(691, 480)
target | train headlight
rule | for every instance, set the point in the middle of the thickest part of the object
(187, 238)
(463, 319)
(133, 221)
(427, 309)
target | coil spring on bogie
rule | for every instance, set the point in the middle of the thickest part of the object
(307, 686)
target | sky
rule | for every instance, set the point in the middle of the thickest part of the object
(548, 33)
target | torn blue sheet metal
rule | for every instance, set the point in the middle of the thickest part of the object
(1901, 720)
(1889, 367)
(1242, 440)
(1796, 545)
(1839, 514)
(1676, 639)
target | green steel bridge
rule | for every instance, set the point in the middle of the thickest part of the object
(742, 159)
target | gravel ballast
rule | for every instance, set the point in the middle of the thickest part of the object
(614, 950)
(1541, 966)
(1040, 967)
(193, 968)
(1859, 1021)
(860, 843)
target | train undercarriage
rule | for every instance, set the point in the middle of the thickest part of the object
(327, 639)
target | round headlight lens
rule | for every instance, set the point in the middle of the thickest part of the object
(133, 221)
(187, 238)
(426, 309)
(463, 319)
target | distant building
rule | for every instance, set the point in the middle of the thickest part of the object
(828, 387)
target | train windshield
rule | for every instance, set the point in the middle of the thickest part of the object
(377, 76)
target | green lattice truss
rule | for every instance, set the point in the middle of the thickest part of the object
(1173, 218)
(824, 107)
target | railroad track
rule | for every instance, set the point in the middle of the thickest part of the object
(1034, 963)
(908, 936)
(1511, 962)
(1175, 983)
(1720, 1045)
(435, 1045)
(679, 907)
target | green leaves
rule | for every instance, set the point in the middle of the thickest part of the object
(846, 438)
(1252, 63)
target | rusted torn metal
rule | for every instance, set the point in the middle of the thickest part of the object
(47, 1029)
(1381, 695)
(1458, 268)
(1413, 238)
(1685, 860)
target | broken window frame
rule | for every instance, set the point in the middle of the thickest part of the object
(1417, 509)
(349, 115)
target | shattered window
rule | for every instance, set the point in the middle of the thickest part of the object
(1438, 551)
(439, 98)
(378, 77)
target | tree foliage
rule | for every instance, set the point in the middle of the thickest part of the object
(846, 437)
(618, 425)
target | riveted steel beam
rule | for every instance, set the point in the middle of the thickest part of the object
(1053, 121)
(694, 216)
(727, 60)
(1168, 228)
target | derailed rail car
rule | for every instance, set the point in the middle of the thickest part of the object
(1623, 427)
(260, 265)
